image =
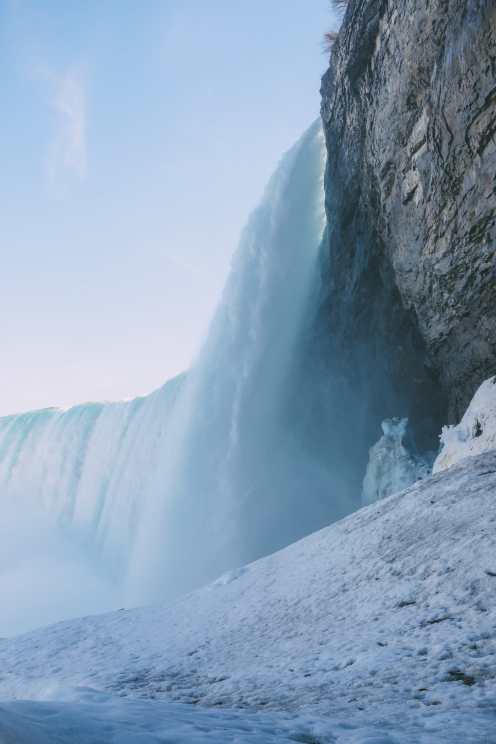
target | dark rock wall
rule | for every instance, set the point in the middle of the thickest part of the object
(409, 111)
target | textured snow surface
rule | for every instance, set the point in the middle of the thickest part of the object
(384, 622)
(475, 433)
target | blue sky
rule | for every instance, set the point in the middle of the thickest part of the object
(136, 138)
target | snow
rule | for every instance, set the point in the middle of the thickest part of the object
(392, 466)
(475, 433)
(380, 628)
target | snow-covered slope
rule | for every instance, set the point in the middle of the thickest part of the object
(475, 433)
(387, 615)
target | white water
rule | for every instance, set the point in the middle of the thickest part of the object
(165, 492)
(87, 468)
(72, 488)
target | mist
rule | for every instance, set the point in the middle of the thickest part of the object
(47, 574)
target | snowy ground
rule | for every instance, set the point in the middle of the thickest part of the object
(378, 629)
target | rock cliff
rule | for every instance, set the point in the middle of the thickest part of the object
(409, 111)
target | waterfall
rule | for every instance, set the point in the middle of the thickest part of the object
(170, 490)
(87, 468)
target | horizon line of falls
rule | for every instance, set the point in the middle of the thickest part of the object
(218, 467)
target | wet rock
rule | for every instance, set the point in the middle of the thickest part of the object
(409, 111)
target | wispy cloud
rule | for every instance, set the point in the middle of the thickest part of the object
(62, 87)
(70, 105)
(67, 151)
(66, 96)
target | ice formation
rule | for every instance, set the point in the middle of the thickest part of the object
(392, 466)
(476, 432)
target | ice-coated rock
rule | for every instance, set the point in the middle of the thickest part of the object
(392, 465)
(476, 432)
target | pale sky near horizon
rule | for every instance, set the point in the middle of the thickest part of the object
(136, 139)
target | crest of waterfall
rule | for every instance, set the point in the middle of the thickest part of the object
(212, 470)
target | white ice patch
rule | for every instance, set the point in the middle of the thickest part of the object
(476, 432)
(392, 467)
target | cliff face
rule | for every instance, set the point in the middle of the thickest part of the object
(409, 111)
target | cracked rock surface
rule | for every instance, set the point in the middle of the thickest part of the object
(409, 111)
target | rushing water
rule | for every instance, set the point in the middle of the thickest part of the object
(168, 491)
